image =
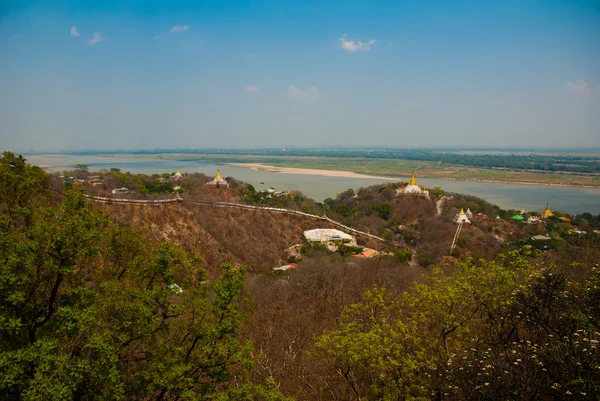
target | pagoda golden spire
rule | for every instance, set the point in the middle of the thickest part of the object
(412, 181)
(462, 211)
(546, 214)
(218, 174)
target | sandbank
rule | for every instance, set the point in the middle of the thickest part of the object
(308, 171)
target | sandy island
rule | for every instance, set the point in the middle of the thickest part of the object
(350, 174)
(308, 171)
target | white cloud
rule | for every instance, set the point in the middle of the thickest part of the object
(312, 93)
(580, 87)
(354, 46)
(252, 89)
(179, 28)
(74, 31)
(96, 37)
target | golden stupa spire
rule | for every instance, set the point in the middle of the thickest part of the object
(462, 211)
(218, 174)
(412, 181)
(289, 191)
(547, 213)
(177, 172)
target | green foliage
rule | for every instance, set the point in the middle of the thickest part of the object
(383, 209)
(389, 349)
(90, 310)
(345, 211)
(493, 330)
(436, 192)
(154, 186)
(312, 249)
(346, 250)
(329, 202)
(403, 255)
(81, 168)
(22, 185)
(347, 194)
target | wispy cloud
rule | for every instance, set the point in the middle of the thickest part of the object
(356, 46)
(251, 89)
(580, 87)
(156, 37)
(179, 28)
(96, 38)
(74, 31)
(312, 93)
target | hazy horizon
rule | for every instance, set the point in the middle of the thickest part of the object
(141, 75)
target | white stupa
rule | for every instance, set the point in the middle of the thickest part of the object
(177, 174)
(469, 213)
(461, 217)
(414, 189)
(218, 181)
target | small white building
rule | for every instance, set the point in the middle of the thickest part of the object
(469, 214)
(122, 190)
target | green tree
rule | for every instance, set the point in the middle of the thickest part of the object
(90, 310)
(383, 209)
(82, 168)
(393, 349)
(22, 186)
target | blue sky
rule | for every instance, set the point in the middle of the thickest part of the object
(193, 74)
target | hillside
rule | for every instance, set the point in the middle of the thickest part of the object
(125, 296)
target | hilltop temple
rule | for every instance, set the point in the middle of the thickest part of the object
(461, 217)
(177, 174)
(413, 188)
(218, 181)
(546, 214)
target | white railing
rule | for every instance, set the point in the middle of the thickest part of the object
(147, 202)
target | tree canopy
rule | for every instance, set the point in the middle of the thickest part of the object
(91, 310)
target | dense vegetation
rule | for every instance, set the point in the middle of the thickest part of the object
(91, 310)
(95, 303)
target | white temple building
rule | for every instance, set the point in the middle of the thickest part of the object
(218, 181)
(177, 174)
(461, 217)
(413, 188)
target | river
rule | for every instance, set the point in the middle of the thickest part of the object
(508, 196)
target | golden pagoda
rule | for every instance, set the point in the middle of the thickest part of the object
(546, 214)
(177, 174)
(219, 181)
(413, 188)
(461, 217)
(412, 181)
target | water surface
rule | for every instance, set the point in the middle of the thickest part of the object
(507, 196)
